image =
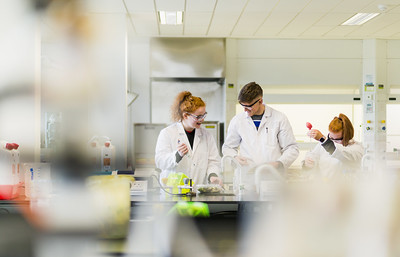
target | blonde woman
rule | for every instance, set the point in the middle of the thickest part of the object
(185, 146)
(336, 152)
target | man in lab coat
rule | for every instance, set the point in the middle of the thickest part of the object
(260, 134)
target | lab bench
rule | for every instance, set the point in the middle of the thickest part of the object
(220, 234)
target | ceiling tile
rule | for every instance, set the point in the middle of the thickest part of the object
(222, 23)
(291, 5)
(169, 5)
(375, 25)
(316, 31)
(104, 6)
(352, 6)
(195, 31)
(139, 6)
(171, 30)
(321, 5)
(258, 18)
(395, 9)
(145, 23)
(388, 31)
(249, 23)
(261, 6)
(197, 19)
(276, 22)
(200, 6)
(340, 31)
(300, 24)
(235, 6)
(333, 19)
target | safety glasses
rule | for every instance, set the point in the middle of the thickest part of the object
(249, 106)
(198, 117)
(337, 140)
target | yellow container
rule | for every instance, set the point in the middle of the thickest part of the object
(114, 191)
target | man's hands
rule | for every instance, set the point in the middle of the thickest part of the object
(242, 160)
(216, 180)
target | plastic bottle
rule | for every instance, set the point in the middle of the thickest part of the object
(94, 151)
(9, 170)
(107, 157)
(29, 177)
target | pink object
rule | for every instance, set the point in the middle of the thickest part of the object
(308, 125)
(9, 146)
(8, 192)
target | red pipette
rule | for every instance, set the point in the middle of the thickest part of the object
(308, 125)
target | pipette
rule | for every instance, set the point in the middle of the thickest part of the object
(309, 126)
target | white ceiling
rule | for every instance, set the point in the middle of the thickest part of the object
(308, 19)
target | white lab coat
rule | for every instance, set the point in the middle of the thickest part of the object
(273, 141)
(197, 164)
(343, 159)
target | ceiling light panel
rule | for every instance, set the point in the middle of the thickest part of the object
(359, 19)
(170, 18)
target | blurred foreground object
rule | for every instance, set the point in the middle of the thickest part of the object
(114, 193)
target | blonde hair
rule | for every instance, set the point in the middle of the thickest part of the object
(342, 123)
(185, 102)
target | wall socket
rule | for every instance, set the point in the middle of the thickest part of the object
(139, 186)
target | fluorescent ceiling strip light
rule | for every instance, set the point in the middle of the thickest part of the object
(360, 18)
(170, 18)
(161, 14)
(179, 18)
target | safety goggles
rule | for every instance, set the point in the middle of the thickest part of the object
(337, 140)
(249, 106)
(198, 117)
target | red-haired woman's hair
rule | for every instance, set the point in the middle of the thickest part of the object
(342, 123)
(185, 102)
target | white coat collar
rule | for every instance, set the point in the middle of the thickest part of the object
(267, 111)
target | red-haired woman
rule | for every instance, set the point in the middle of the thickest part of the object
(336, 152)
(185, 146)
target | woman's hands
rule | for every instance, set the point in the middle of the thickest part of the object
(315, 133)
(182, 149)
